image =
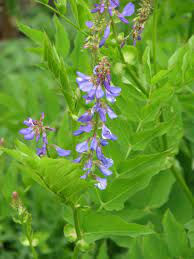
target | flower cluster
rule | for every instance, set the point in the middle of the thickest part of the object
(139, 22)
(36, 129)
(98, 90)
(106, 8)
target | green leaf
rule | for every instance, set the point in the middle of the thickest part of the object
(154, 247)
(190, 227)
(103, 253)
(157, 193)
(73, 4)
(35, 35)
(130, 54)
(61, 6)
(57, 67)
(134, 175)
(159, 76)
(98, 225)
(59, 176)
(175, 236)
(141, 139)
(61, 39)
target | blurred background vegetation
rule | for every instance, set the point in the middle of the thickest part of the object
(27, 90)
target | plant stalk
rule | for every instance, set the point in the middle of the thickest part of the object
(154, 35)
(133, 76)
(76, 222)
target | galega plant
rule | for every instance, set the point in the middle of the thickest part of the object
(124, 104)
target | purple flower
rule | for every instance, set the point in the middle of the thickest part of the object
(95, 118)
(41, 151)
(36, 129)
(101, 183)
(82, 147)
(62, 152)
(106, 133)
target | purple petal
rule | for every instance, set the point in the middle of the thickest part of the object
(84, 85)
(102, 42)
(107, 162)
(29, 122)
(107, 32)
(99, 92)
(29, 136)
(88, 165)
(114, 3)
(107, 134)
(128, 10)
(41, 151)
(105, 170)
(103, 142)
(94, 143)
(37, 137)
(102, 183)
(77, 160)
(62, 152)
(115, 90)
(102, 8)
(26, 131)
(86, 117)
(111, 114)
(44, 137)
(83, 76)
(102, 114)
(110, 97)
(85, 175)
(89, 24)
(99, 153)
(122, 18)
(83, 128)
(82, 147)
(42, 116)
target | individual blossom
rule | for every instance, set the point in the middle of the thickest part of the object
(36, 130)
(99, 91)
(101, 25)
(139, 22)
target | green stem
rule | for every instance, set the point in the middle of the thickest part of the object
(64, 17)
(154, 35)
(76, 222)
(183, 185)
(29, 237)
(131, 73)
(75, 252)
(191, 26)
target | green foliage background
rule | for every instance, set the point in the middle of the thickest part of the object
(144, 213)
